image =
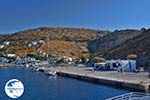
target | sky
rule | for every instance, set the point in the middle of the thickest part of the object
(17, 15)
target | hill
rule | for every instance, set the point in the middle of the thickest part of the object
(75, 42)
(66, 34)
(112, 39)
(139, 45)
(70, 49)
(66, 41)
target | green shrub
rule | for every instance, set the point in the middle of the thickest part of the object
(98, 59)
(132, 57)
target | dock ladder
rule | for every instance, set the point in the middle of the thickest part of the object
(131, 96)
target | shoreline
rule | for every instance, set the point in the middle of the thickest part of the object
(106, 82)
(7, 65)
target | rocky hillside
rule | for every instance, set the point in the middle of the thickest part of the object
(120, 44)
(65, 34)
(4, 37)
(75, 42)
(139, 45)
(70, 49)
(66, 41)
(112, 39)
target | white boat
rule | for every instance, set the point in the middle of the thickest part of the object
(27, 65)
(50, 73)
(53, 73)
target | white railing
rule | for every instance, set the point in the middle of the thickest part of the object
(131, 96)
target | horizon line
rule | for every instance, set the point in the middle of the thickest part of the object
(74, 27)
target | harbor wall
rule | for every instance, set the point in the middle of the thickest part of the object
(105, 81)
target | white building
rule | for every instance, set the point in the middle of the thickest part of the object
(124, 65)
(2, 46)
(41, 41)
(100, 66)
(19, 60)
(40, 53)
(32, 59)
(6, 43)
(41, 63)
(29, 45)
(34, 43)
(11, 55)
(68, 59)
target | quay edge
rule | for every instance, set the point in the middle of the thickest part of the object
(110, 82)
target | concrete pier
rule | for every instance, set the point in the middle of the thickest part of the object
(7, 65)
(134, 81)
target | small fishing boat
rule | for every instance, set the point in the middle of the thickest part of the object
(50, 73)
(27, 65)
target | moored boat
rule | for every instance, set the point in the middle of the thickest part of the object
(27, 65)
(50, 73)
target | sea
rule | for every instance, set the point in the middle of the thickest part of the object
(38, 86)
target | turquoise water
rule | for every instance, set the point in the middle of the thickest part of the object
(41, 87)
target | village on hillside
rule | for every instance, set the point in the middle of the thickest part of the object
(31, 54)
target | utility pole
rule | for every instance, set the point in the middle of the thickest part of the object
(48, 48)
(26, 53)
